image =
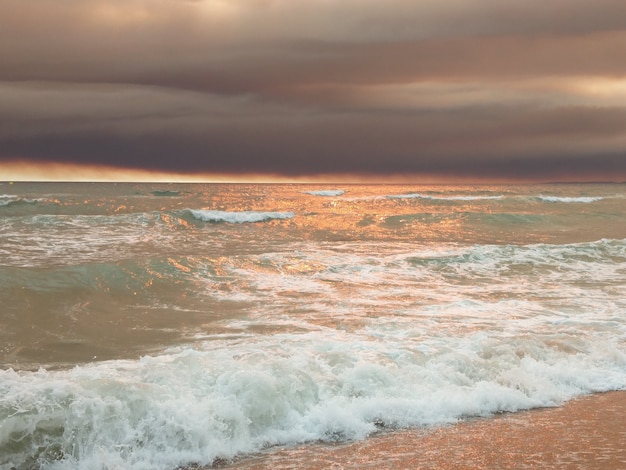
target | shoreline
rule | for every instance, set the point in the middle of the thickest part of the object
(587, 432)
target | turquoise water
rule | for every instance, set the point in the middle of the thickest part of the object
(153, 326)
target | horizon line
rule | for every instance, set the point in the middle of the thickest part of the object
(46, 172)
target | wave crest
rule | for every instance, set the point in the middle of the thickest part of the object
(238, 217)
(584, 199)
(443, 198)
(328, 192)
(10, 200)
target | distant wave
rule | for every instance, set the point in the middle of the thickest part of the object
(554, 199)
(238, 217)
(442, 198)
(6, 199)
(501, 220)
(585, 199)
(165, 192)
(328, 192)
(10, 199)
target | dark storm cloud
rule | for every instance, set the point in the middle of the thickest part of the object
(479, 89)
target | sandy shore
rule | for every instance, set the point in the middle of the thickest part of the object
(588, 433)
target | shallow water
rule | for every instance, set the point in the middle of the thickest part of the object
(585, 433)
(152, 326)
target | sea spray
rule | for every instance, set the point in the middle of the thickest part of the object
(224, 398)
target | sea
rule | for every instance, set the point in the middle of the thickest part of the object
(168, 326)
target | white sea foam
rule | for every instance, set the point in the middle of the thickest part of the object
(225, 398)
(12, 198)
(70, 239)
(329, 192)
(350, 282)
(443, 198)
(584, 200)
(238, 217)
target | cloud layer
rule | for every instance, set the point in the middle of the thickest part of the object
(483, 89)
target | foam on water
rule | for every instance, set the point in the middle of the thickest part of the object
(444, 198)
(224, 398)
(238, 217)
(7, 200)
(408, 337)
(70, 239)
(582, 200)
(349, 282)
(328, 192)
(542, 198)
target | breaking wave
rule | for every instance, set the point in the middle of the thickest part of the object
(583, 200)
(542, 198)
(443, 198)
(329, 192)
(223, 399)
(238, 217)
(10, 200)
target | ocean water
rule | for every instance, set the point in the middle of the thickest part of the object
(153, 326)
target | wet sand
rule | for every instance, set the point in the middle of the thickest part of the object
(587, 433)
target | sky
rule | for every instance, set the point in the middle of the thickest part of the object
(482, 90)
